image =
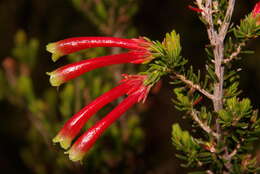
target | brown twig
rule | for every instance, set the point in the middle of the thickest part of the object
(234, 152)
(207, 16)
(225, 24)
(205, 127)
(228, 158)
(195, 86)
(235, 53)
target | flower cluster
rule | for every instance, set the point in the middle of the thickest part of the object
(133, 86)
(139, 53)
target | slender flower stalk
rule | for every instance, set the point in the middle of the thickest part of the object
(71, 71)
(86, 141)
(73, 126)
(72, 45)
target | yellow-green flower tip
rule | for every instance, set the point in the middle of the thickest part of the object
(52, 48)
(55, 57)
(55, 80)
(64, 142)
(74, 155)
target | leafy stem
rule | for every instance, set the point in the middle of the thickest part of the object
(235, 53)
(205, 127)
(194, 86)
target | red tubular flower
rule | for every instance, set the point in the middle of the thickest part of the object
(256, 12)
(256, 9)
(86, 141)
(73, 126)
(195, 9)
(71, 45)
(132, 85)
(68, 72)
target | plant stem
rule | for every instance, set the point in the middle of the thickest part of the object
(195, 86)
(225, 25)
(205, 127)
(235, 53)
(217, 41)
(219, 55)
(217, 38)
(218, 51)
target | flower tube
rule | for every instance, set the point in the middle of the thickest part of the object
(256, 12)
(86, 141)
(72, 45)
(70, 71)
(256, 9)
(195, 9)
(73, 126)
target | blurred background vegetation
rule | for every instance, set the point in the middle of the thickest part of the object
(32, 111)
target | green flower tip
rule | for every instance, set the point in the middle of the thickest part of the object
(55, 80)
(75, 155)
(65, 142)
(52, 48)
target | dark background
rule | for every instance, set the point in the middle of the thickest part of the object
(50, 20)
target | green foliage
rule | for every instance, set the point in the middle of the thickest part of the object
(242, 124)
(229, 133)
(234, 112)
(25, 51)
(169, 51)
(67, 100)
(248, 28)
(191, 147)
(167, 58)
(155, 71)
(182, 102)
(205, 116)
(172, 47)
(184, 141)
(118, 12)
